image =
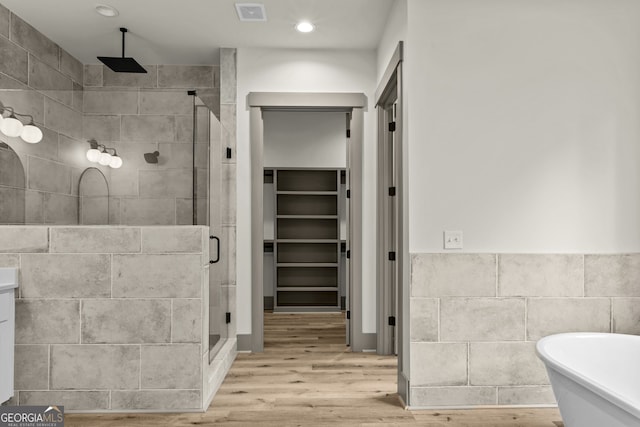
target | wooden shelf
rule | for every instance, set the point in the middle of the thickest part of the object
(307, 239)
(307, 216)
(307, 264)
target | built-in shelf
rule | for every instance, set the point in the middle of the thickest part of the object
(307, 245)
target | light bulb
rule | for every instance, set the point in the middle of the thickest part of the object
(116, 162)
(105, 159)
(11, 126)
(31, 134)
(93, 155)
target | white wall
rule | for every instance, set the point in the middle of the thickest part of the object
(292, 70)
(524, 124)
(305, 139)
(395, 30)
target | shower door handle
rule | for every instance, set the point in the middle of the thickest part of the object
(213, 261)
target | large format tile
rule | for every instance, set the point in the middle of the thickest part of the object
(172, 239)
(148, 128)
(131, 80)
(9, 261)
(50, 81)
(148, 211)
(626, 316)
(532, 395)
(34, 41)
(513, 363)
(31, 367)
(541, 275)
(12, 205)
(482, 319)
(166, 183)
(60, 209)
(47, 321)
(71, 66)
(5, 21)
(228, 76)
(436, 275)
(95, 367)
(452, 396)
(171, 367)
(71, 400)
(185, 76)
(111, 321)
(62, 119)
(92, 75)
(157, 276)
(424, 319)
(612, 275)
(24, 239)
(165, 102)
(156, 399)
(186, 321)
(437, 364)
(103, 128)
(95, 239)
(45, 175)
(110, 102)
(65, 276)
(547, 316)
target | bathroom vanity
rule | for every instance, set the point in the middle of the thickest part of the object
(8, 285)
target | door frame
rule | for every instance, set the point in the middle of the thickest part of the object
(257, 102)
(391, 85)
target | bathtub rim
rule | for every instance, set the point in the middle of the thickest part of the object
(593, 386)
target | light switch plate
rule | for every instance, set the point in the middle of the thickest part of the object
(453, 239)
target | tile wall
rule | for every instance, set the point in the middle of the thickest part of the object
(142, 113)
(39, 78)
(109, 318)
(475, 319)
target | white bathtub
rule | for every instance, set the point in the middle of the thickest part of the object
(595, 378)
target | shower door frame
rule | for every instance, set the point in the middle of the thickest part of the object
(353, 103)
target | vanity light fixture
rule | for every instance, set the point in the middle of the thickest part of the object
(305, 27)
(98, 153)
(13, 127)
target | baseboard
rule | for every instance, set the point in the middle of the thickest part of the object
(403, 389)
(244, 342)
(268, 303)
(369, 342)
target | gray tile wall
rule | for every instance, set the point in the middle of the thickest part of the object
(39, 78)
(475, 319)
(72, 102)
(110, 318)
(142, 113)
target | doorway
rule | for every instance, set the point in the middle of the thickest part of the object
(350, 104)
(392, 242)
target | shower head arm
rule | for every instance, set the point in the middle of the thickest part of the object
(123, 30)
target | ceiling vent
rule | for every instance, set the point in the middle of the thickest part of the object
(251, 12)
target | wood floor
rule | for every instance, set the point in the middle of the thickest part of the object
(307, 377)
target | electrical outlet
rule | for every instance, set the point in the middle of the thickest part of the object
(453, 239)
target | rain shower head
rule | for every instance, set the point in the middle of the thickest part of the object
(151, 157)
(122, 64)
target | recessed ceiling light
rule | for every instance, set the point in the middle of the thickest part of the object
(305, 27)
(106, 10)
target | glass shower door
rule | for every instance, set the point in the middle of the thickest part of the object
(208, 207)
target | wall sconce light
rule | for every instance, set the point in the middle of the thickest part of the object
(98, 153)
(12, 127)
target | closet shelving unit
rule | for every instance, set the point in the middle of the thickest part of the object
(306, 242)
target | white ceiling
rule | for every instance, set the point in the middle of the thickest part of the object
(191, 31)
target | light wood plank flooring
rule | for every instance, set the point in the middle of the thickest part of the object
(308, 377)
